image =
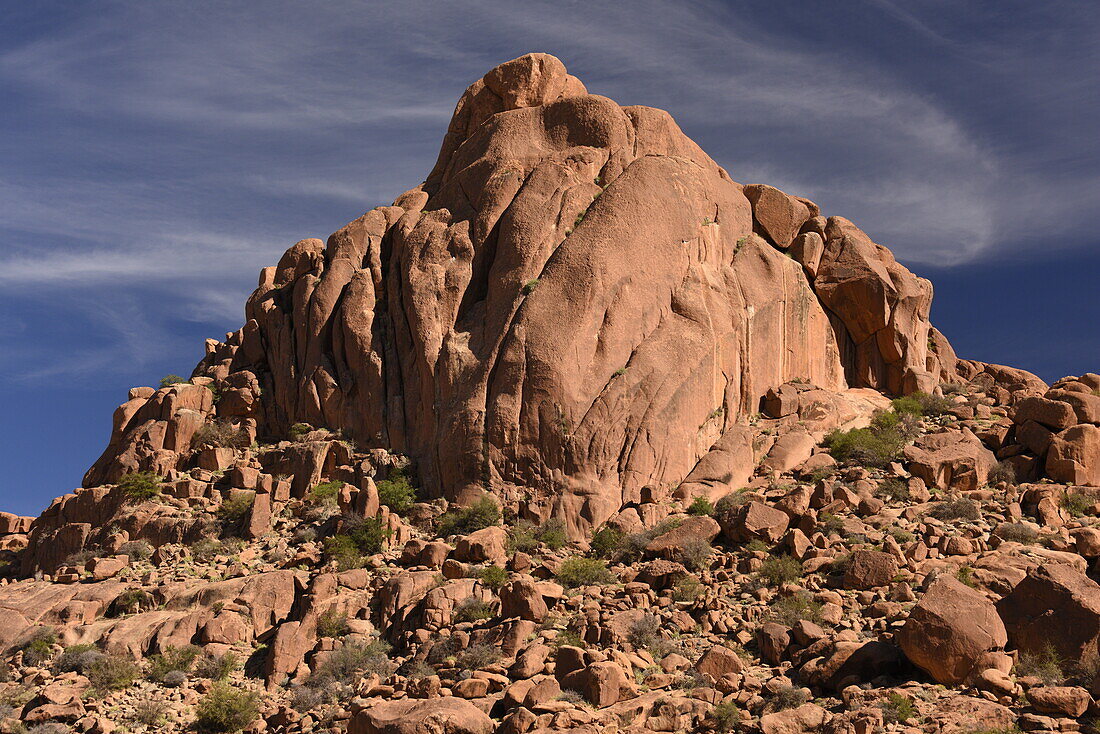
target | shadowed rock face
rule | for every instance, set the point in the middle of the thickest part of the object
(576, 304)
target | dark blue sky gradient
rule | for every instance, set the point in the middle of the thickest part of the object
(155, 155)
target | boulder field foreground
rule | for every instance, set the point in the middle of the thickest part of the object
(579, 435)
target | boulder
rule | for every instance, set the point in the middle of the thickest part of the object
(450, 715)
(867, 569)
(951, 460)
(719, 661)
(758, 521)
(488, 545)
(1055, 605)
(776, 216)
(1068, 701)
(1074, 456)
(949, 629)
(522, 598)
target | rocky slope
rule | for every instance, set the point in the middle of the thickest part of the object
(579, 434)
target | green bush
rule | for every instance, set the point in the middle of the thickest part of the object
(347, 663)
(521, 537)
(180, 659)
(205, 550)
(169, 380)
(361, 537)
(140, 486)
(578, 571)
(465, 520)
(235, 509)
(788, 697)
(553, 534)
(687, 588)
(300, 429)
(473, 609)
(38, 647)
(493, 577)
(476, 657)
(132, 601)
(727, 717)
(136, 550)
(150, 713)
(530, 286)
(960, 508)
(893, 489)
(787, 610)
(779, 570)
(897, 709)
(876, 446)
(1077, 504)
(700, 506)
(1017, 532)
(922, 404)
(226, 709)
(111, 673)
(397, 493)
(332, 623)
(1043, 664)
(607, 542)
(326, 493)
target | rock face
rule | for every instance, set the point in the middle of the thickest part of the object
(577, 301)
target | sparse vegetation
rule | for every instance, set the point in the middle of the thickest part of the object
(221, 433)
(700, 506)
(217, 667)
(687, 588)
(922, 404)
(897, 709)
(169, 380)
(787, 610)
(607, 542)
(325, 494)
(1043, 664)
(140, 486)
(298, 430)
(1002, 472)
(779, 570)
(397, 491)
(226, 709)
(727, 717)
(136, 550)
(465, 520)
(893, 489)
(1077, 504)
(579, 571)
(875, 446)
(77, 659)
(38, 646)
(530, 286)
(173, 659)
(695, 554)
(360, 537)
(959, 508)
(473, 609)
(112, 673)
(332, 623)
(1017, 532)
(493, 577)
(235, 509)
(476, 657)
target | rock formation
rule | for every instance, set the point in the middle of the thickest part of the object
(578, 435)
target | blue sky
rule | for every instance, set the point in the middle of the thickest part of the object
(155, 155)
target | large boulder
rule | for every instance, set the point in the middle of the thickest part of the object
(949, 629)
(450, 715)
(1074, 456)
(1058, 606)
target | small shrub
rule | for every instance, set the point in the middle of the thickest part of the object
(922, 404)
(570, 696)
(332, 623)
(1077, 504)
(132, 601)
(1017, 532)
(150, 713)
(1044, 665)
(473, 609)
(727, 717)
(787, 610)
(893, 489)
(169, 380)
(897, 709)
(521, 537)
(205, 550)
(831, 524)
(299, 429)
(397, 493)
(140, 486)
(226, 709)
(530, 286)
(727, 507)
(220, 433)
(325, 494)
(578, 571)
(217, 667)
(695, 554)
(960, 508)
(38, 647)
(180, 659)
(789, 697)
(644, 632)
(476, 657)
(902, 536)
(235, 508)
(965, 574)
(1003, 472)
(77, 659)
(687, 588)
(354, 659)
(307, 698)
(493, 577)
(111, 673)
(465, 520)
(136, 550)
(607, 542)
(876, 446)
(779, 570)
(361, 537)
(174, 679)
(553, 534)
(700, 506)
